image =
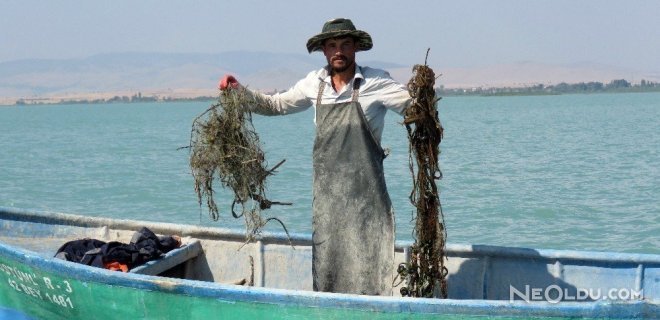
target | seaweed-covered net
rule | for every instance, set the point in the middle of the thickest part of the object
(425, 274)
(225, 146)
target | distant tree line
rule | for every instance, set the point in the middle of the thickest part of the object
(619, 85)
(138, 97)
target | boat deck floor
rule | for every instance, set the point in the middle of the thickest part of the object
(45, 247)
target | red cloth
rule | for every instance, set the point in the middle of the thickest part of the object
(115, 266)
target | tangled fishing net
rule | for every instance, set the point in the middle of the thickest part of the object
(425, 274)
(224, 146)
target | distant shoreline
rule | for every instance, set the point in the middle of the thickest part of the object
(168, 95)
(188, 95)
(614, 86)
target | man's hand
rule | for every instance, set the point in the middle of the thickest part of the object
(228, 81)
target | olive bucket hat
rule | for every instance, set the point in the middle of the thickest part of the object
(340, 27)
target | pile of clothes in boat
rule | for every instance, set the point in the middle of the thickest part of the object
(144, 246)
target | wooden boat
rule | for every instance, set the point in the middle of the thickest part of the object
(216, 275)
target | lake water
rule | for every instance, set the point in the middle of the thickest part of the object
(562, 172)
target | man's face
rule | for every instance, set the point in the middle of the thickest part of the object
(340, 53)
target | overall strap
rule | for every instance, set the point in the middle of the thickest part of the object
(354, 97)
(318, 97)
(356, 89)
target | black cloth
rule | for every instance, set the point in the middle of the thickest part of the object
(144, 246)
(75, 250)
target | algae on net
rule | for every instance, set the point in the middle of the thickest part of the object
(225, 146)
(425, 274)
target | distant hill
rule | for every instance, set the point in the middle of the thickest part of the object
(523, 74)
(170, 72)
(149, 71)
(154, 71)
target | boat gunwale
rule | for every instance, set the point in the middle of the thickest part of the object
(453, 249)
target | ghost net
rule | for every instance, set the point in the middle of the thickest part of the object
(225, 146)
(425, 274)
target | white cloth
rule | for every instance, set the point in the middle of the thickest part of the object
(378, 93)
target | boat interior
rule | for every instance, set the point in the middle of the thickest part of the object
(276, 261)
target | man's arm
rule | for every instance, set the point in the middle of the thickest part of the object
(291, 101)
(394, 95)
(388, 93)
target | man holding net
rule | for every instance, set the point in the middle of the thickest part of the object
(353, 222)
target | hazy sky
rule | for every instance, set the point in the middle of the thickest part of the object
(459, 33)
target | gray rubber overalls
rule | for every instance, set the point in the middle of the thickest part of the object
(353, 223)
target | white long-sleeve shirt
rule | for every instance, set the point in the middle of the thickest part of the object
(378, 93)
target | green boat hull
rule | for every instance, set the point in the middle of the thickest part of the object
(47, 295)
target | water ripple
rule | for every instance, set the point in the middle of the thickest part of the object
(571, 172)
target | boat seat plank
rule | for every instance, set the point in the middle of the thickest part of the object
(170, 260)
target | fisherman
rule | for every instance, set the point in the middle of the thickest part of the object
(353, 221)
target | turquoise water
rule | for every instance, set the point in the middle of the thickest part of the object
(561, 172)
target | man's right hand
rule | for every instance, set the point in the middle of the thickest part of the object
(228, 81)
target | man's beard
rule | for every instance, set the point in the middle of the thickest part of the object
(347, 65)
